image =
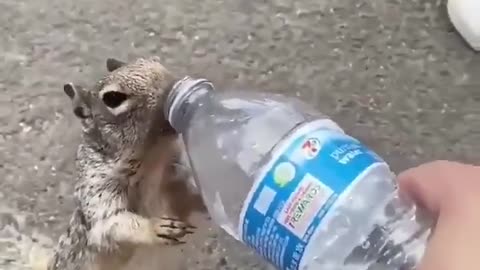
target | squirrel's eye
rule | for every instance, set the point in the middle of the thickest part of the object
(114, 99)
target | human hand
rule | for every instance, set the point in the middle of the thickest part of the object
(450, 192)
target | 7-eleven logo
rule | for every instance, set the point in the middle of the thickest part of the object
(311, 147)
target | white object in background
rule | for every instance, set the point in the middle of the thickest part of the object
(465, 16)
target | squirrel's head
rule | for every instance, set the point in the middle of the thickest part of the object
(125, 108)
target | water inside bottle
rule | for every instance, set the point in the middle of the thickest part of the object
(246, 132)
(233, 136)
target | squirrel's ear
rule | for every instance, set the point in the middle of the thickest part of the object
(113, 64)
(70, 90)
(80, 108)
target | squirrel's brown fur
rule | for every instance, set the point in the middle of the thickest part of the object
(129, 153)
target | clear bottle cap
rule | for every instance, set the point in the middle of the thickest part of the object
(180, 91)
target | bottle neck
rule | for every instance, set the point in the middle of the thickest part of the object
(186, 96)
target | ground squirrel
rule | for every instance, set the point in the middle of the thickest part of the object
(128, 153)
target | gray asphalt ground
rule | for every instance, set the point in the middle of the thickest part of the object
(394, 73)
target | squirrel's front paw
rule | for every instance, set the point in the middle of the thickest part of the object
(169, 231)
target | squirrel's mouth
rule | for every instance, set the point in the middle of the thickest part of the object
(159, 126)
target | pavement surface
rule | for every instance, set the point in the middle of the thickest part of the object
(394, 73)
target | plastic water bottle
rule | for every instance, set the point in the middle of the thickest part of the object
(287, 181)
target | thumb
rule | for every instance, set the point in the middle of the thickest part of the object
(431, 184)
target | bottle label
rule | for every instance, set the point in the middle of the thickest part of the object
(297, 189)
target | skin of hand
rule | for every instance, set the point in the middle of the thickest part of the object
(450, 192)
